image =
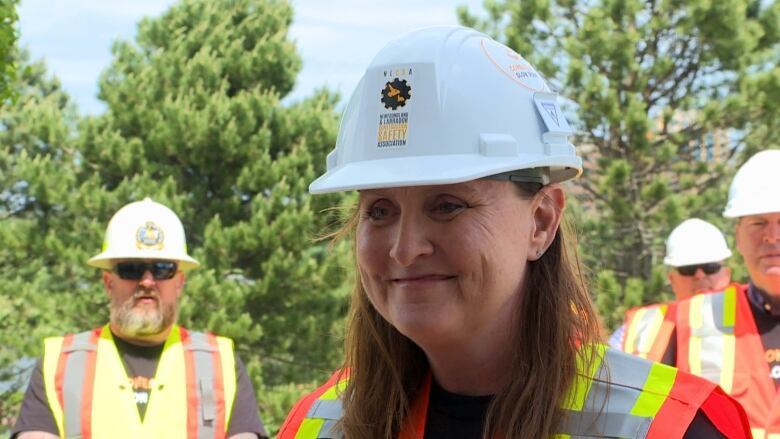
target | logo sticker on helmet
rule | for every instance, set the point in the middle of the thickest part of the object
(396, 93)
(149, 236)
(394, 124)
(511, 64)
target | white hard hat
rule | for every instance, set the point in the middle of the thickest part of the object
(754, 188)
(144, 230)
(445, 105)
(693, 242)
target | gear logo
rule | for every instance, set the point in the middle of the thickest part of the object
(396, 94)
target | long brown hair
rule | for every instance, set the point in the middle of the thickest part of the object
(555, 316)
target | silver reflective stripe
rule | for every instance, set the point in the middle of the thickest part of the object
(202, 354)
(330, 410)
(73, 382)
(613, 393)
(326, 409)
(605, 425)
(711, 334)
(618, 368)
(329, 431)
(712, 317)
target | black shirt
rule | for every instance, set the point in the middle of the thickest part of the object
(141, 364)
(453, 416)
(768, 325)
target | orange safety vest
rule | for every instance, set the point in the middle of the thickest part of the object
(620, 397)
(718, 340)
(649, 330)
(89, 394)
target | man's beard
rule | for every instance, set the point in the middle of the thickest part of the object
(144, 320)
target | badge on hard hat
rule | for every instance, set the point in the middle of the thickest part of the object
(393, 127)
(149, 237)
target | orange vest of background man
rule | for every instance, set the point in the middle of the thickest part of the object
(717, 339)
(695, 251)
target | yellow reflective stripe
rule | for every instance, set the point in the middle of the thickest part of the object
(694, 355)
(228, 360)
(730, 307)
(335, 390)
(659, 383)
(578, 392)
(633, 330)
(758, 433)
(309, 428)
(562, 436)
(52, 348)
(694, 344)
(727, 362)
(651, 333)
(694, 311)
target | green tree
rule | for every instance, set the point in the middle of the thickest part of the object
(651, 84)
(8, 37)
(38, 263)
(194, 120)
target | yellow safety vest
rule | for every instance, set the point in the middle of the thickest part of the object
(90, 396)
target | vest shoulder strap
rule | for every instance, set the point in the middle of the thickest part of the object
(210, 379)
(73, 379)
(316, 413)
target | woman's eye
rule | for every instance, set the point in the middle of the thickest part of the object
(447, 207)
(378, 211)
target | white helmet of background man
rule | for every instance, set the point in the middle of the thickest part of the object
(446, 105)
(694, 242)
(754, 188)
(144, 230)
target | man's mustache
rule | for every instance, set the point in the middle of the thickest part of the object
(145, 292)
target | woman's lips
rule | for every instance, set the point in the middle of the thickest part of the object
(421, 279)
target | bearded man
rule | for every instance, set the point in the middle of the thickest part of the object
(141, 375)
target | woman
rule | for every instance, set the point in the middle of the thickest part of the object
(469, 318)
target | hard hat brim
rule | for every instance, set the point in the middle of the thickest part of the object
(428, 170)
(740, 211)
(713, 257)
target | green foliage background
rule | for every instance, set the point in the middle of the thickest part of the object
(194, 120)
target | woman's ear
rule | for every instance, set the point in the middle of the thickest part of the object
(547, 207)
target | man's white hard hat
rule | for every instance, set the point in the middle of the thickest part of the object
(144, 230)
(694, 242)
(754, 189)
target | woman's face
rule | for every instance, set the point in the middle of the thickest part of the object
(448, 261)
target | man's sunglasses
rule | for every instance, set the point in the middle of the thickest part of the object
(160, 270)
(708, 268)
